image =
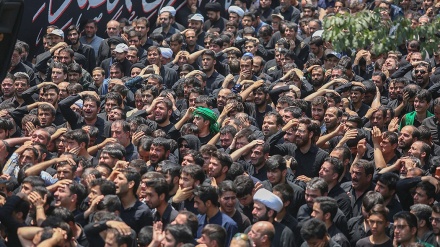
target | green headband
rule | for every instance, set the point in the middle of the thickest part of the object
(208, 114)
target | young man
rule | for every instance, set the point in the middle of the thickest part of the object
(228, 202)
(422, 102)
(405, 229)
(435, 221)
(191, 176)
(206, 202)
(134, 213)
(156, 197)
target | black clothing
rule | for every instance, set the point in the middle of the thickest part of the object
(242, 221)
(76, 121)
(356, 203)
(137, 216)
(310, 163)
(365, 242)
(340, 221)
(168, 216)
(298, 198)
(220, 23)
(338, 236)
(10, 223)
(342, 198)
(357, 229)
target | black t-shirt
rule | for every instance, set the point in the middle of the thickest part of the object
(365, 242)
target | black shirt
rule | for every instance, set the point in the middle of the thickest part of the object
(356, 203)
(365, 242)
(137, 216)
(310, 163)
(168, 216)
(342, 198)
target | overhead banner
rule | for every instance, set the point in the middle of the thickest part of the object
(38, 14)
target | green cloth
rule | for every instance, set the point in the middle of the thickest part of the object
(208, 114)
(410, 117)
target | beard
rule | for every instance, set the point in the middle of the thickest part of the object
(317, 83)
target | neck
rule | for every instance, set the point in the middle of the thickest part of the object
(90, 39)
(388, 156)
(211, 212)
(229, 214)
(421, 231)
(357, 105)
(409, 242)
(209, 73)
(83, 152)
(421, 115)
(162, 207)
(91, 122)
(379, 239)
(332, 184)
(128, 199)
(328, 224)
(166, 29)
(304, 149)
(387, 201)
(262, 107)
(281, 215)
(166, 123)
(20, 100)
(221, 178)
(204, 132)
(76, 46)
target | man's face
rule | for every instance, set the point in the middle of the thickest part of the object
(308, 13)
(378, 119)
(64, 172)
(208, 63)
(302, 135)
(331, 119)
(98, 77)
(256, 67)
(290, 33)
(228, 200)
(157, 154)
(106, 159)
(46, 118)
(27, 157)
(264, 4)
(58, 76)
(119, 134)
(8, 88)
(15, 59)
(383, 190)
(317, 213)
(270, 126)
(416, 150)
(317, 77)
(359, 178)
(122, 184)
(259, 212)
(200, 205)
(55, 39)
(213, 16)
(164, 19)
(186, 181)
(40, 136)
(246, 21)
(421, 75)
(390, 64)
(405, 138)
(402, 231)
(226, 140)
(63, 197)
(73, 37)
(161, 113)
(246, 68)
(221, 98)
(187, 160)
(318, 112)
(377, 81)
(90, 110)
(330, 62)
(420, 197)
(113, 29)
(251, 48)
(64, 57)
(260, 98)
(135, 72)
(196, 25)
(356, 96)
(310, 196)
(327, 173)
(386, 146)
(313, 26)
(120, 56)
(152, 199)
(109, 104)
(190, 37)
(275, 176)
(153, 57)
(74, 77)
(142, 28)
(175, 46)
(200, 122)
(115, 114)
(257, 156)
(90, 30)
(215, 168)
(115, 73)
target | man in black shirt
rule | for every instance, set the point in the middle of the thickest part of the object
(156, 191)
(216, 22)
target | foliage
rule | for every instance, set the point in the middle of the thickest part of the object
(367, 29)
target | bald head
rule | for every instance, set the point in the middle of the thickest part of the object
(262, 233)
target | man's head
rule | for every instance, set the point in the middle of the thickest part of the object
(213, 11)
(76, 139)
(435, 220)
(111, 154)
(113, 28)
(314, 232)
(276, 169)
(266, 205)
(307, 132)
(219, 164)
(408, 135)
(424, 193)
(405, 227)
(386, 184)
(213, 235)
(331, 170)
(191, 176)
(205, 198)
(159, 150)
(21, 83)
(362, 174)
(163, 111)
(127, 181)
(69, 195)
(272, 123)
(90, 28)
(7, 86)
(325, 209)
(262, 233)
(177, 235)
(156, 192)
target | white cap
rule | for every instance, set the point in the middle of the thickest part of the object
(120, 48)
(170, 9)
(269, 199)
(197, 17)
(235, 9)
(58, 32)
(166, 52)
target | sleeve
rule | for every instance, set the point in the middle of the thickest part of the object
(11, 164)
(72, 117)
(402, 71)
(131, 84)
(18, 113)
(6, 213)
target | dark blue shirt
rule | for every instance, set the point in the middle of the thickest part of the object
(219, 219)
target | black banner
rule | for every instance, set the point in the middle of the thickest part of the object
(39, 14)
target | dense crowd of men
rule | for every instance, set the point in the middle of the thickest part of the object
(242, 129)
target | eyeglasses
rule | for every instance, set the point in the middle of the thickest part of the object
(241, 236)
(437, 220)
(399, 227)
(419, 71)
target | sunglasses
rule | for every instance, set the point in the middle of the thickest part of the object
(419, 72)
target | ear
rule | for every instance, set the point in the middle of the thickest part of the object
(74, 197)
(284, 173)
(196, 183)
(225, 169)
(82, 145)
(327, 216)
(162, 197)
(167, 153)
(130, 184)
(270, 213)
(176, 179)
